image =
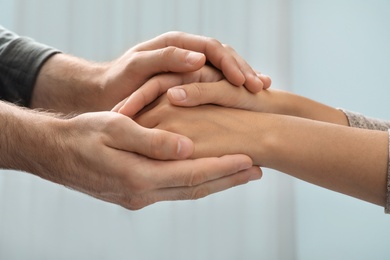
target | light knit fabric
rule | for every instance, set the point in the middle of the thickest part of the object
(360, 121)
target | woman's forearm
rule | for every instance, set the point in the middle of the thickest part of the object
(269, 101)
(287, 103)
(348, 160)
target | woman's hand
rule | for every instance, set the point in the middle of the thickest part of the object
(215, 130)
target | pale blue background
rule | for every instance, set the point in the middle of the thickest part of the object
(332, 51)
(341, 56)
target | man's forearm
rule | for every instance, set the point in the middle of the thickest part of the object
(29, 140)
(68, 84)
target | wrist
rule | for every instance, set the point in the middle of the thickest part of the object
(264, 126)
(286, 103)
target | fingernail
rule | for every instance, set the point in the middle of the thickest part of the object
(245, 166)
(178, 94)
(193, 57)
(184, 147)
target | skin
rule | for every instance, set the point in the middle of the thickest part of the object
(83, 86)
(106, 154)
(297, 136)
(160, 84)
(93, 153)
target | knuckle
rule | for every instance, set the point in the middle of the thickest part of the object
(174, 34)
(173, 37)
(199, 192)
(195, 90)
(134, 203)
(111, 123)
(228, 47)
(196, 178)
(214, 42)
(156, 144)
(134, 60)
(167, 52)
(137, 184)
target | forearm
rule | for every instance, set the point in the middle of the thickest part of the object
(68, 84)
(28, 140)
(286, 103)
(348, 160)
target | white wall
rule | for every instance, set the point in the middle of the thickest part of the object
(40, 220)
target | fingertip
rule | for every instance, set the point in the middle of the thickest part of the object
(267, 81)
(126, 110)
(176, 95)
(119, 106)
(185, 147)
(255, 173)
(253, 83)
(164, 145)
(116, 108)
(194, 58)
(241, 161)
(246, 163)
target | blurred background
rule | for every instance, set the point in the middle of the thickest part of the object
(336, 52)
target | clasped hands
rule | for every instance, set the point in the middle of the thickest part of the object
(133, 164)
(193, 168)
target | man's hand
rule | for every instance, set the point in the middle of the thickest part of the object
(69, 84)
(110, 157)
(132, 166)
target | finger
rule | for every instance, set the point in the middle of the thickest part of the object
(190, 173)
(266, 80)
(219, 93)
(159, 85)
(152, 143)
(148, 92)
(207, 188)
(252, 82)
(119, 105)
(215, 52)
(168, 59)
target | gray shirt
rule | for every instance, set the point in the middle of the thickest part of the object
(20, 61)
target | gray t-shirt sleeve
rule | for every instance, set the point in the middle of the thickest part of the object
(361, 121)
(20, 61)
